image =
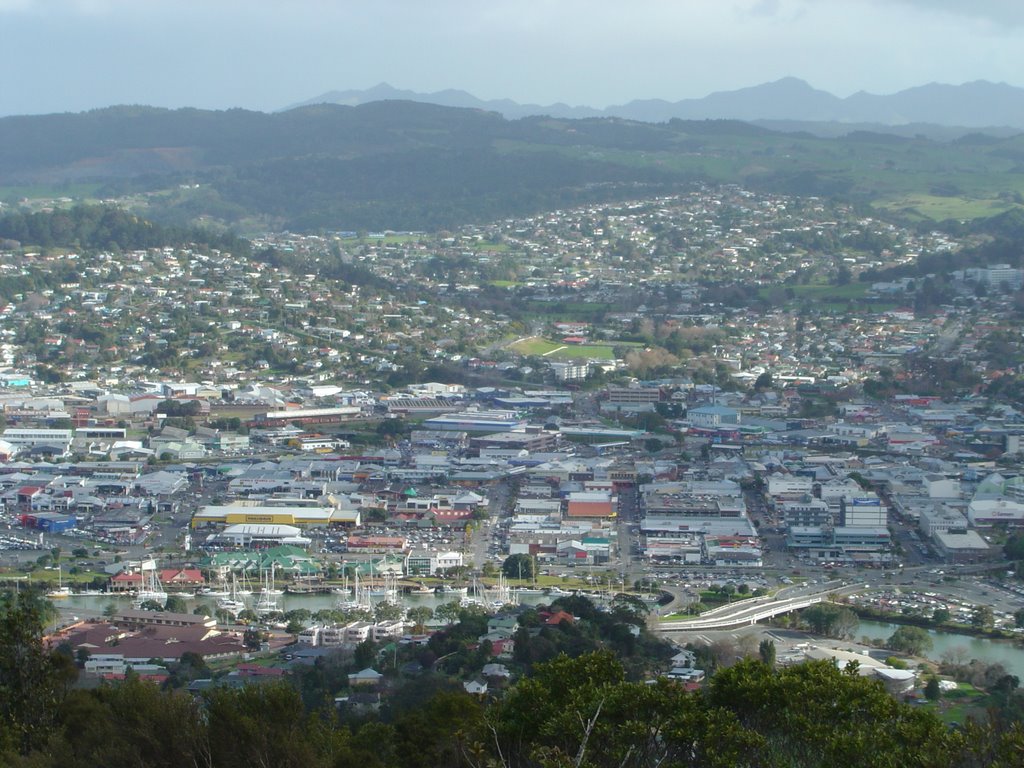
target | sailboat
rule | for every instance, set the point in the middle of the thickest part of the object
(151, 589)
(245, 588)
(61, 592)
(231, 603)
(220, 590)
(500, 595)
(268, 582)
(267, 601)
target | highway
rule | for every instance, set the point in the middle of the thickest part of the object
(741, 614)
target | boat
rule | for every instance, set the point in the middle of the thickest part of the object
(500, 594)
(446, 589)
(267, 579)
(231, 602)
(244, 588)
(234, 607)
(220, 590)
(267, 600)
(360, 599)
(61, 592)
(151, 589)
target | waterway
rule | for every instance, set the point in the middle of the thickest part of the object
(90, 606)
(1004, 652)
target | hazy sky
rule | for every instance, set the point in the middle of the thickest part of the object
(70, 55)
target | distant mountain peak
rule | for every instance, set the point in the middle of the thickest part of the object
(977, 104)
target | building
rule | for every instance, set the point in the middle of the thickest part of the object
(988, 512)
(632, 399)
(591, 504)
(963, 547)
(939, 518)
(300, 516)
(52, 441)
(713, 417)
(247, 534)
(307, 416)
(428, 563)
(477, 421)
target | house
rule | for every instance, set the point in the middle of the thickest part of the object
(495, 671)
(475, 687)
(554, 618)
(365, 678)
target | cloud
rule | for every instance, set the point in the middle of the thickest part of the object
(764, 8)
(999, 12)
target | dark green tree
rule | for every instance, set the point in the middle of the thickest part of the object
(518, 567)
(33, 680)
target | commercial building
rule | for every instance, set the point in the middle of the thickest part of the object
(245, 535)
(477, 421)
(299, 516)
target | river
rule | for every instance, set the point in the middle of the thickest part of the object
(983, 649)
(89, 606)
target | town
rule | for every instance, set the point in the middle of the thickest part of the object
(672, 418)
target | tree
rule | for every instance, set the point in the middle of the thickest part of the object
(767, 651)
(1014, 547)
(448, 612)
(419, 615)
(940, 616)
(831, 620)
(932, 691)
(983, 618)
(387, 611)
(912, 641)
(1018, 618)
(33, 680)
(763, 382)
(175, 604)
(252, 638)
(518, 567)
(365, 654)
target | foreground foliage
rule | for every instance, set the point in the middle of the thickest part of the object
(578, 711)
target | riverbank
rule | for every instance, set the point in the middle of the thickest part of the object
(924, 623)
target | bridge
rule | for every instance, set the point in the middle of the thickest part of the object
(741, 614)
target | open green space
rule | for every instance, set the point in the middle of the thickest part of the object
(849, 292)
(958, 705)
(940, 208)
(534, 346)
(78, 191)
(567, 310)
(584, 352)
(554, 350)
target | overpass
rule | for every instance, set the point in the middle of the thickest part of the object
(741, 614)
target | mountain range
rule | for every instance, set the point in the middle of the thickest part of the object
(979, 104)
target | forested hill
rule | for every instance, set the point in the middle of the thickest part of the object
(405, 165)
(108, 228)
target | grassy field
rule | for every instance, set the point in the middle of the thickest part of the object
(956, 706)
(42, 191)
(938, 208)
(534, 346)
(553, 350)
(568, 310)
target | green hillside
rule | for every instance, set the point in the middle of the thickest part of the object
(404, 165)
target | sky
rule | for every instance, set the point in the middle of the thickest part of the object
(73, 55)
